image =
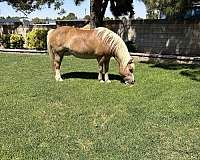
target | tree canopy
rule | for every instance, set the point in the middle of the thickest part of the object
(167, 7)
(118, 7)
(27, 6)
(70, 16)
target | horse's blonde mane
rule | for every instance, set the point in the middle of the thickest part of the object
(115, 43)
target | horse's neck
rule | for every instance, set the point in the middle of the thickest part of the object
(122, 57)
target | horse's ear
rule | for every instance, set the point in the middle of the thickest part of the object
(131, 61)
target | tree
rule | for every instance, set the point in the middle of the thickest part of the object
(98, 7)
(27, 6)
(118, 8)
(87, 17)
(37, 20)
(70, 16)
(156, 8)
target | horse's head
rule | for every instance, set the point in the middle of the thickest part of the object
(127, 72)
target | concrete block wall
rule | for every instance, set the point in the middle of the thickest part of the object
(161, 36)
(180, 38)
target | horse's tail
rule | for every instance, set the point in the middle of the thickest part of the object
(49, 48)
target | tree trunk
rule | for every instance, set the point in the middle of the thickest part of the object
(92, 15)
(97, 12)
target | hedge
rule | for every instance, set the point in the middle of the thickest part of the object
(5, 40)
(16, 41)
(37, 39)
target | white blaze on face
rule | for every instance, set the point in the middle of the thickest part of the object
(130, 79)
(133, 77)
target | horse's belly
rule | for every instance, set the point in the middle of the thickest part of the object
(82, 55)
(85, 56)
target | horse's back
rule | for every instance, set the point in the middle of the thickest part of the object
(83, 43)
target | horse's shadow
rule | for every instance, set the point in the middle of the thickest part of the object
(88, 75)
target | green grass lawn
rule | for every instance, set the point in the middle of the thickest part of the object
(80, 118)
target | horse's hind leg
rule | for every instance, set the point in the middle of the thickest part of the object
(106, 68)
(56, 66)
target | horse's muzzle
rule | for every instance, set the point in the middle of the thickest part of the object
(129, 80)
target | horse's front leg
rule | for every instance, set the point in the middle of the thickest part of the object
(103, 68)
(100, 63)
(57, 63)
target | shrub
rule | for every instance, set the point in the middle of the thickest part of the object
(37, 39)
(16, 41)
(5, 40)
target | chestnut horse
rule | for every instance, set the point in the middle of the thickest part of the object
(100, 43)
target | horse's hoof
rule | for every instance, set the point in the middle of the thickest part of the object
(59, 79)
(108, 81)
(101, 81)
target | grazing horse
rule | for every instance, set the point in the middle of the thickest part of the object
(100, 43)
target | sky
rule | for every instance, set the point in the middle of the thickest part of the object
(80, 11)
